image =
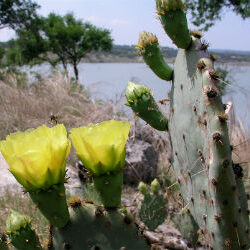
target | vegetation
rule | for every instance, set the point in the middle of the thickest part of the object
(212, 201)
(57, 39)
(17, 14)
(206, 12)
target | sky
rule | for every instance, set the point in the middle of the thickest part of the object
(126, 18)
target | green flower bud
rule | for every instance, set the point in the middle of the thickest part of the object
(155, 186)
(143, 188)
(16, 221)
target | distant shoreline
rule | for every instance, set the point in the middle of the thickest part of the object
(112, 59)
(128, 54)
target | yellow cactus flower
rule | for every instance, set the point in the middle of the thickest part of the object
(37, 157)
(101, 147)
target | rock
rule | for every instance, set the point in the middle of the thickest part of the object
(73, 185)
(7, 180)
(141, 162)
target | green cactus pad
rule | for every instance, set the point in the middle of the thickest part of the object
(21, 235)
(149, 48)
(143, 104)
(109, 188)
(187, 226)
(174, 22)
(202, 155)
(98, 229)
(153, 211)
(52, 204)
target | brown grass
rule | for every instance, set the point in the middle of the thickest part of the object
(240, 142)
(48, 101)
(29, 107)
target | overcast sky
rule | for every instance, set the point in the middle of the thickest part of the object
(126, 18)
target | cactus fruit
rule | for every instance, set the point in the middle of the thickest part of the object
(21, 235)
(202, 159)
(153, 208)
(143, 104)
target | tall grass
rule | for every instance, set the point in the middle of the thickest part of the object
(41, 103)
(240, 142)
(56, 99)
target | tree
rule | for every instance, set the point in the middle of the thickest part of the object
(61, 39)
(206, 12)
(16, 13)
(71, 40)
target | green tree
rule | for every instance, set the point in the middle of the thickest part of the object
(206, 12)
(16, 13)
(60, 39)
(71, 39)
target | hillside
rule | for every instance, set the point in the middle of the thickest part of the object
(126, 53)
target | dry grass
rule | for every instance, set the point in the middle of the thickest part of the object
(48, 101)
(29, 107)
(240, 142)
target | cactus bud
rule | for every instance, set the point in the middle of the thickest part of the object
(142, 103)
(149, 48)
(22, 236)
(16, 221)
(143, 188)
(174, 21)
(155, 186)
(169, 5)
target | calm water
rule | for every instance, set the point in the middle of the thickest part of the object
(108, 81)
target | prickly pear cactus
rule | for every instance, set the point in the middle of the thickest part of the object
(202, 155)
(93, 227)
(76, 224)
(186, 224)
(153, 210)
(198, 127)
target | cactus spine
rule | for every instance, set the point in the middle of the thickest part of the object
(202, 158)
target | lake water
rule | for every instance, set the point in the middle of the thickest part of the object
(108, 81)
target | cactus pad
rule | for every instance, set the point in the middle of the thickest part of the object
(153, 211)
